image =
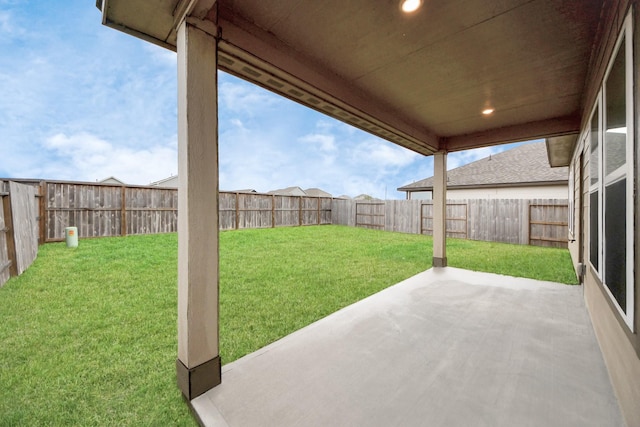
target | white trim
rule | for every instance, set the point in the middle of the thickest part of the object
(596, 112)
(629, 64)
(625, 171)
(572, 201)
(617, 174)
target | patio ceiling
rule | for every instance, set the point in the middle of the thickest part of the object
(419, 80)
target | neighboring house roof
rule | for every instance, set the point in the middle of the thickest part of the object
(526, 164)
(289, 191)
(112, 180)
(297, 191)
(316, 192)
(171, 182)
(364, 197)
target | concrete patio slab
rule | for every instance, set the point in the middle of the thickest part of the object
(447, 347)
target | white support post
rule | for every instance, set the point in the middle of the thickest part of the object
(440, 209)
(198, 364)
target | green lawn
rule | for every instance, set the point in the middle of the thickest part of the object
(88, 335)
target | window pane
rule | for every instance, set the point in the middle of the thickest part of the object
(615, 240)
(614, 199)
(594, 236)
(593, 160)
(616, 118)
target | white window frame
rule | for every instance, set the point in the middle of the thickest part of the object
(598, 185)
(625, 171)
(572, 205)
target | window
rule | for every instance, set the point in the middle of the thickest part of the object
(572, 197)
(611, 180)
(615, 179)
(594, 199)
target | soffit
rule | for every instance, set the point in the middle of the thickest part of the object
(420, 80)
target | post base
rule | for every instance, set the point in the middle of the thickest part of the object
(196, 381)
(439, 262)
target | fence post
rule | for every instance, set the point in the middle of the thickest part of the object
(273, 211)
(299, 211)
(42, 212)
(123, 211)
(11, 243)
(528, 220)
(237, 211)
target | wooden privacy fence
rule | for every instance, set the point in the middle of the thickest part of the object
(103, 210)
(254, 210)
(548, 224)
(456, 217)
(100, 210)
(18, 229)
(370, 215)
(541, 222)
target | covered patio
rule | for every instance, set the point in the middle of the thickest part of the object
(447, 347)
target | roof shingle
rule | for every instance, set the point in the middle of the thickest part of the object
(525, 164)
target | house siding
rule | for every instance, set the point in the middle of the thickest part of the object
(523, 192)
(620, 344)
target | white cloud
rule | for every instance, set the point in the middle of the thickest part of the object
(383, 155)
(162, 56)
(5, 23)
(78, 145)
(326, 143)
(86, 157)
(241, 97)
(9, 27)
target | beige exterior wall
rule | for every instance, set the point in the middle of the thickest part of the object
(619, 344)
(619, 355)
(580, 167)
(527, 192)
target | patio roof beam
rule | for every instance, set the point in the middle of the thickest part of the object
(520, 132)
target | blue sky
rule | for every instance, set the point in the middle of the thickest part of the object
(82, 102)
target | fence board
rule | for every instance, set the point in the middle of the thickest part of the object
(343, 212)
(548, 224)
(5, 261)
(370, 215)
(24, 225)
(287, 210)
(227, 211)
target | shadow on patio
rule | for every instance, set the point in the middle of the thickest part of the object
(447, 347)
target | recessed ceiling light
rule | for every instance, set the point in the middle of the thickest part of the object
(409, 6)
(488, 111)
